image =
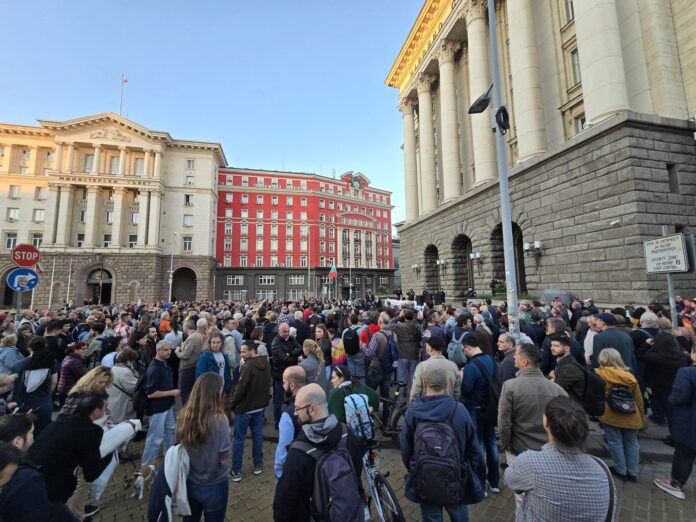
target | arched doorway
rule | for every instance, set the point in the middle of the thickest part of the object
(184, 284)
(430, 257)
(498, 255)
(99, 283)
(462, 266)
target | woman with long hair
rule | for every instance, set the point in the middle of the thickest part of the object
(321, 336)
(203, 430)
(621, 428)
(314, 364)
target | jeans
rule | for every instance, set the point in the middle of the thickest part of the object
(405, 371)
(356, 366)
(378, 381)
(187, 377)
(278, 398)
(208, 499)
(485, 434)
(432, 513)
(162, 428)
(682, 463)
(242, 421)
(519, 498)
(624, 449)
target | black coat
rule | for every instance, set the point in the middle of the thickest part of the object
(68, 442)
(285, 352)
(303, 330)
(660, 371)
(682, 402)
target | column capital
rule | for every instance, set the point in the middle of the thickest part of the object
(447, 50)
(424, 82)
(407, 105)
(93, 188)
(122, 147)
(474, 9)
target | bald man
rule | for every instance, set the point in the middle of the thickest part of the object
(294, 378)
(323, 432)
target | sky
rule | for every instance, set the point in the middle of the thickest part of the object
(293, 85)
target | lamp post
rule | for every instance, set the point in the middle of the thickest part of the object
(171, 267)
(501, 124)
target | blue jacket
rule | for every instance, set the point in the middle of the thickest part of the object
(206, 363)
(682, 419)
(474, 393)
(438, 408)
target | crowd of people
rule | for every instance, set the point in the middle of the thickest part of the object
(78, 385)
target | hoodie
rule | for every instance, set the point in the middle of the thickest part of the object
(251, 392)
(23, 499)
(437, 408)
(613, 376)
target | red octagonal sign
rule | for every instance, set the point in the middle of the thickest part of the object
(25, 255)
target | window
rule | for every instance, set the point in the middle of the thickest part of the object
(245, 181)
(322, 231)
(107, 241)
(135, 218)
(384, 280)
(259, 244)
(266, 294)
(673, 178)
(12, 214)
(15, 192)
(235, 280)
(245, 199)
(303, 245)
(245, 213)
(23, 171)
(139, 167)
(303, 202)
(579, 123)
(322, 246)
(259, 260)
(40, 193)
(304, 230)
(228, 228)
(288, 245)
(10, 239)
(109, 216)
(39, 215)
(274, 229)
(274, 200)
(274, 261)
(288, 201)
(274, 245)
(190, 164)
(296, 280)
(259, 229)
(113, 165)
(25, 154)
(321, 203)
(303, 216)
(332, 232)
(259, 199)
(259, 214)
(274, 214)
(288, 261)
(189, 179)
(288, 229)
(188, 220)
(288, 214)
(83, 216)
(303, 261)
(243, 261)
(228, 197)
(227, 261)
(188, 243)
(331, 205)
(244, 244)
(37, 239)
(575, 66)
(188, 200)
(132, 240)
(227, 244)
(244, 228)
(89, 161)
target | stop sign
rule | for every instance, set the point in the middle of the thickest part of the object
(25, 255)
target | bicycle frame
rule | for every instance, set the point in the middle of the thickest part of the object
(371, 466)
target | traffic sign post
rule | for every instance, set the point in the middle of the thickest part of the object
(664, 256)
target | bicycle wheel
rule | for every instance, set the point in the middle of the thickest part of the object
(390, 506)
(396, 422)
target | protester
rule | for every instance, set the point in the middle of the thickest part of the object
(285, 351)
(568, 374)
(188, 354)
(71, 369)
(122, 389)
(213, 360)
(611, 337)
(294, 378)
(9, 354)
(435, 348)
(344, 384)
(313, 363)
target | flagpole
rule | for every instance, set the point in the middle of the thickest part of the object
(124, 80)
(50, 291)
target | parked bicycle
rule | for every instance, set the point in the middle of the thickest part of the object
(382, 496)
(397, 411)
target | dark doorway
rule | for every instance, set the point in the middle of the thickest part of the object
(99, 284)
(430, 268)
(461, 266)
(184, 285)
(498, 256)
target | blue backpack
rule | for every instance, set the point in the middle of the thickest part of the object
(454, 350)
(391, 354)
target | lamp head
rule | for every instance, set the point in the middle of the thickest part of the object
(482, 102)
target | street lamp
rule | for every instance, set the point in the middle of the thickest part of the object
(171, 267)
(501, 125)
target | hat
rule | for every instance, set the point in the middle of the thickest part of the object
(434, 376)
(436, 343)
(607, 318)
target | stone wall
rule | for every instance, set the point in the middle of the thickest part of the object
(591, 203)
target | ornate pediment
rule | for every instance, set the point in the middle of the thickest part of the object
(109, 133)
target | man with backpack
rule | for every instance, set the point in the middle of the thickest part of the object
(408, 333)
(381, 352)
(351, 344)
(440, 452)
(567, 374)
(481, 385)
(320, 476)
(435, 347)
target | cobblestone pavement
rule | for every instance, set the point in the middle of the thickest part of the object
(252, 498)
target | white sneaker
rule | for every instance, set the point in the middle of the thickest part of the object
(666, 485)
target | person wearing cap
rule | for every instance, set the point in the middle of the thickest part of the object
(436, 405)
(611, 337)
(435, 347)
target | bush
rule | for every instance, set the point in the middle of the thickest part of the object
(381, 289)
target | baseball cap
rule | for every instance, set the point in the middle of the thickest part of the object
(434, 376)
(607, 318)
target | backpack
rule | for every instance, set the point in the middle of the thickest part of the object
(454, 350)
(439, 475)
(140, 400)
(108, 345)
(391, 354)
(593, 397)
(351, 341)
(335, 494)
(495, 386)
(358, 414)
(621, 400)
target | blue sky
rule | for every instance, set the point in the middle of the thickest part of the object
(283, 85)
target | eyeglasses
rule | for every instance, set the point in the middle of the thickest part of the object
(302, 408)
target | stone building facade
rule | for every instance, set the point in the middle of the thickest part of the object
(600, 150)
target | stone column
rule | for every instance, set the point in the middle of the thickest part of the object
(451, 168)
(52, 214)
(146, 163)
(479, 82)
(93, 218)
(154, 219)
(601, 59)
(34, 162)
(58, 160)
(339, 245)
(71, 158)
(117, 226)
(351, 247)
(143, 211)
(410, 167)
(65, 214)
(96, 165)
(427, 144)
(524, 66)
(158, 164)
(122, 162)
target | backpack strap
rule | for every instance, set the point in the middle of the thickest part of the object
(483, 370)
(316, 453)
(610, 511)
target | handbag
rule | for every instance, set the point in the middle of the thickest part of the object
(620, 399)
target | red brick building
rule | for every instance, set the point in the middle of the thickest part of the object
(279, 234)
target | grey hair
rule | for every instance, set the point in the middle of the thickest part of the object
(507, 338)
(202, 323)
(190, 324)
(649, 319)
(298, 315)
(478, 319)
(162, 344)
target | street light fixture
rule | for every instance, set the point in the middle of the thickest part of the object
(171, 267)
(501, 124)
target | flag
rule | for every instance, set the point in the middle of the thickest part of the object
(124, 79)
(333, 273)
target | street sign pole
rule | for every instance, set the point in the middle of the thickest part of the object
(18, 315)
(670, 289)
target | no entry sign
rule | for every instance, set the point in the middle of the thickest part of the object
(25, 255)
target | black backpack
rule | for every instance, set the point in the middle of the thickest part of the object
(140, 400)
(593, 397)
(439, 475)
(351, 341)
(495, 386)
(335, 494)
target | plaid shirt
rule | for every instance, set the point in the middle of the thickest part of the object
(560, 486)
